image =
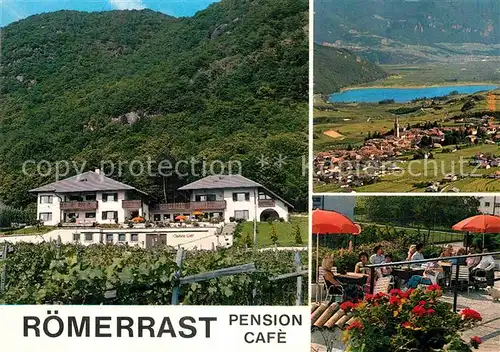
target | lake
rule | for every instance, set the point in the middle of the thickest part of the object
(401, 95)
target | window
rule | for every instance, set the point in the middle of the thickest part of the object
(46, 216)
(205, 198)
(109, 237)
(487, 204)
(241, 214)
(263, 196)
(134, 237)
(157, 217)
(316, 199)
(46, 199)
(110, 197)
(89, 237)
(90, 215)
(166, 217)
(76, 237)
(121, 237)
(109, 215)
(72, 215)
(241, 197)
(90, 197)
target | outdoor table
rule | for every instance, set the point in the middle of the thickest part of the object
(406, 274)
(351, 278)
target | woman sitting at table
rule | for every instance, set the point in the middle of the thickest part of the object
(360, 268)
(411, 251)
(331, 283)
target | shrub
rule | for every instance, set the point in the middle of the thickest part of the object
(415, 320)
(232, 219)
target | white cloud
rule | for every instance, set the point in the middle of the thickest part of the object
(127, 4)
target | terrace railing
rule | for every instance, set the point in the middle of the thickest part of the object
(459, 259)
(189, 206)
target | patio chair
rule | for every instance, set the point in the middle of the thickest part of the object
(463, 276)
(328, 290)
(382, 285)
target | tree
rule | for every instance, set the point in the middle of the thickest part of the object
(274, 235)
(298, 235)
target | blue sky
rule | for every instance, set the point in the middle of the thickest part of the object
(14, 10)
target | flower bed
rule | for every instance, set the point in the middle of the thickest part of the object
(413, 320)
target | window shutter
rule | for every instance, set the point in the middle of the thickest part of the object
(235, 197)
(115, 196)
(104, 215)
(104, 197)
(115, 215)
(247, 196)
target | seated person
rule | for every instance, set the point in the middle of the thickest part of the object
(487, 265)
(377, 256)
(434, 272)
(473, 261)
(360, 268)
(418, 255)
(328, 276)
(411, 251)
(447, 251)
(387, 270)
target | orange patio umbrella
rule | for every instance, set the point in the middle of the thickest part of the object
(480, 224)
(138, 219)
(197, 212)
(325, 222)
(180, 217)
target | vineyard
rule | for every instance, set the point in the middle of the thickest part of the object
(48, 273)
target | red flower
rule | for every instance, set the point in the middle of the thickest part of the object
(477, 339)
(419, 311)
(430, 311)
(396, 292)
(422, 303)
(468, 313)
(407, 293)
(394, 300)
(433, 287)
(347, 306)
(407, 325)
(355, 325)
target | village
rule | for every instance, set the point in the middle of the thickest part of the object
(390, 154)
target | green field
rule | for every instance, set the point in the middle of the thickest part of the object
(285, 231)
(28, 231)
(432, 170)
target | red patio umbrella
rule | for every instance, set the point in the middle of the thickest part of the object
(326, 222)
(480, 224)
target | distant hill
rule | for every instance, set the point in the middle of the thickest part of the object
(337, 68)
(423, 22)
(229, 83)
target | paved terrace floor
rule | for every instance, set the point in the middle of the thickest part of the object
(489, 329)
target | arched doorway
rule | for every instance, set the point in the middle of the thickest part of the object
(269, 215)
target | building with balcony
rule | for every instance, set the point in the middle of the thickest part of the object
(230, 197)
(92, 198)
(87, 199)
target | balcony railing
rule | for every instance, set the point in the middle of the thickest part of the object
(75, 205)
(191, 206)
(131, 204)
(266, 203)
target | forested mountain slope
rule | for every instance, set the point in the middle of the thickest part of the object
(228, 83)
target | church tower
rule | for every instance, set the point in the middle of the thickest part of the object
(396, 127)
